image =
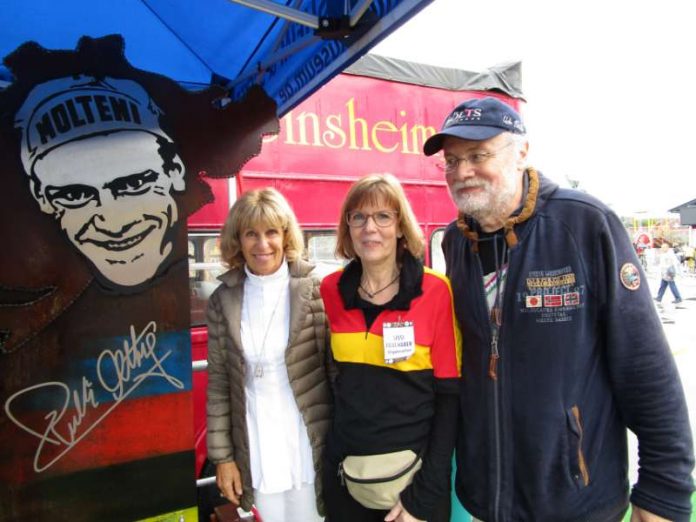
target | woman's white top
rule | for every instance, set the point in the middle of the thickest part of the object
(668, 260)
(279, 448)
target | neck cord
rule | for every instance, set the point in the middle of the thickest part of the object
(258, 366)
(372, 294)
(496, 316)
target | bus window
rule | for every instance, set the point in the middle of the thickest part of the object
(321, 245)
(191, 257)
(437, 258)
(205, 265)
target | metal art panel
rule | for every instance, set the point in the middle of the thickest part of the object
(102, 164)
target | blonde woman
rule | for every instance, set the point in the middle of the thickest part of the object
(269, 403)
(397, 350)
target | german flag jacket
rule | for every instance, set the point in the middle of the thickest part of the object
(411, 404)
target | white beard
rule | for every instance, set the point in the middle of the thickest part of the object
(486, 203)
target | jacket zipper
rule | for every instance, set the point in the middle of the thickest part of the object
(498, 472)
(494, 356)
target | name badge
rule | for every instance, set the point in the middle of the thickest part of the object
(399, 341)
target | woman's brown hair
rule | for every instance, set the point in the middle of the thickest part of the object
(373, 190)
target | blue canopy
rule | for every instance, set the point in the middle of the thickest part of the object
(290, 47)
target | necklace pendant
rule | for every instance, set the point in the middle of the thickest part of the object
(258, 370)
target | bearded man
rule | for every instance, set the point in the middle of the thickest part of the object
(562, 346)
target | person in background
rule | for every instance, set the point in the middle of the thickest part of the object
(269, 402)
(689, 258)
(669, 268)
(387, 402)
(641, 249)
(564, 348)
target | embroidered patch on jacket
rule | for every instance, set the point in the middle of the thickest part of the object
(553, 300)
(552, 295)
(533, 301)
(630, 276)
(571, 299)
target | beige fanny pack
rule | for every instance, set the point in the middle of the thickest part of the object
(376, 481)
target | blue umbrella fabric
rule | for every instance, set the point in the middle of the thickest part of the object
(290, 47)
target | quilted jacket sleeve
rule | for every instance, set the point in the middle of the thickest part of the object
(219, 435)
(323, 334)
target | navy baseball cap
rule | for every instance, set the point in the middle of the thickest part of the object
(477, 119)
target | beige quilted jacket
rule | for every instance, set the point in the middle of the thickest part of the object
(305, 357)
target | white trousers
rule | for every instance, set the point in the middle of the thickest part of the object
(293, 505)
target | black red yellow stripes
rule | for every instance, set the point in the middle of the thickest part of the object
(437, 336)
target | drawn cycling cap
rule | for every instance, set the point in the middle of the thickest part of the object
(80, 107)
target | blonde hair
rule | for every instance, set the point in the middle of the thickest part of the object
(267, 207)
(374, 190)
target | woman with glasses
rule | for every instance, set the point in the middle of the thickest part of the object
(396, 348)
(269, 402)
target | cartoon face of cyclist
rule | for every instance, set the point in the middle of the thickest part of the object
(101, 165)
(113, 200)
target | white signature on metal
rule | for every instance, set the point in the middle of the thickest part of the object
(119, 372)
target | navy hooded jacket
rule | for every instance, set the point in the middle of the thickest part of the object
(582, 357)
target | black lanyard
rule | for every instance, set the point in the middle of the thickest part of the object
(496, 311)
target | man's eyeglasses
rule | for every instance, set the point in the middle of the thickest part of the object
(452, 162)
(382, 218)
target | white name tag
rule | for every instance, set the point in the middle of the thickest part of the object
(399, 341)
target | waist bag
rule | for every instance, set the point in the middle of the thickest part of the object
(376, 481)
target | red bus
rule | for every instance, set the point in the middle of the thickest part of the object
(373, 118)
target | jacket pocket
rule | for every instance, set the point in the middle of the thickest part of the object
(576, 457)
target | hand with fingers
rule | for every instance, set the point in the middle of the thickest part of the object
(229, 480)
(399, 514)
(641, 515)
